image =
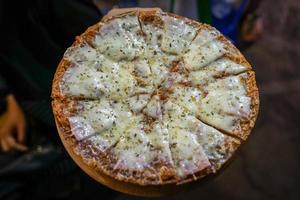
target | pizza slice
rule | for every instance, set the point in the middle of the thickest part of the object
(231, 104)
(118, 38)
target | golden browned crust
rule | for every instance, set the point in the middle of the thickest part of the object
(151, 16)
(252, 92)
(90, 33)
(232, 53)
(60, 71)
(102, 162)
(245, 125)
(108, 18)
(228, 149)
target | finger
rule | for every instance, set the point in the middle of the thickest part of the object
(21, 131)
(13, 144)
(4, 145)
(20, 147)
(10, 142)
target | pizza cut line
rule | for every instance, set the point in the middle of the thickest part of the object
(153, 98)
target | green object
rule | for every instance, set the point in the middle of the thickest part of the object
(204, 11)
(172, 5)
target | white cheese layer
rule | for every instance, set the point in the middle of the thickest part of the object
(119, 84)
(138, 102)
(123, 118)
(120, 38)
(159, 72)
(82, 81)
(215, 144)
(199, 54)
(100, 114)
(153, 36)
(159, 145)
(153, 108)
(94, 121)
(205, 36)
(132, 150)
(103, 77)
(80, 53)
(218, 68)
(187, 153)
(187, 97)
(226, 103)
(142, 68)
(82, 77)
(172, 112)
(177, 35)
(81, 128)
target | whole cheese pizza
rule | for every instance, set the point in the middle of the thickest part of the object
(151, 98)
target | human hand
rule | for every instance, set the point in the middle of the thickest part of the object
(12, 120)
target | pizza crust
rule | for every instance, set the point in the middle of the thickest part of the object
(252, 92)
(161, 173)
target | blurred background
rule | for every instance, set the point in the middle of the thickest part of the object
(35, 34)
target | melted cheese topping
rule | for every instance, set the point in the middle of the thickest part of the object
(80, 81)
(94, 121)
(154, 86)
(79, 54)
(187, 97)
(153, 35)
(212, 141)
(96, 77)
(153, 108)
(177, 35)
(132, 150)
(226, 103)
(138, 102)
(187, 153)
(120, 38)
(202, 52)
(215, 69)
(159, 143)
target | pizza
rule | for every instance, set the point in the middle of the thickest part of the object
(152, 98)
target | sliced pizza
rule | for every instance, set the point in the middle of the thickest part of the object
(152, 98)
